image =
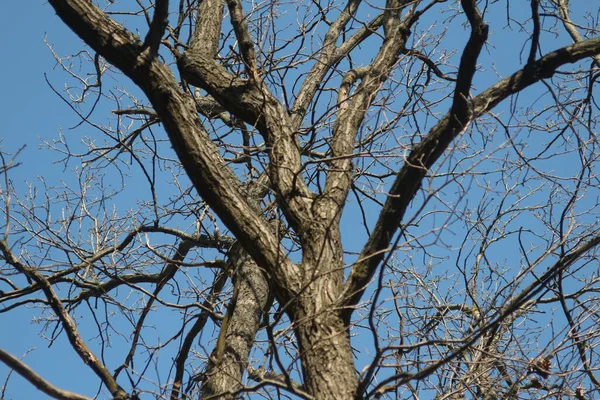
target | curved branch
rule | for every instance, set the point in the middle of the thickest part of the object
(167, 273)
(186, 346)
(84, 352)
(427, 152)
(40, 383)
(427, 61)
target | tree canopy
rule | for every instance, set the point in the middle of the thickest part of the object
(318, 199)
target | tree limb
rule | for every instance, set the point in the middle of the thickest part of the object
(240, 27)
(563, 7)
(159, 23)
(205, 38)
(67, 323)
(256, 106)
(211, 177)
(40, 383)
(427, 152)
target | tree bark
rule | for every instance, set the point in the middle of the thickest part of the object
(325, 351)
(229, 359)
(324, 341)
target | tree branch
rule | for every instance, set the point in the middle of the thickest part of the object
(188, 341)
(260, 375)
(353, 110)
(240, 27)
(205, 241)
(212, 178)
(159, 23)
(427, 152)
(563, 6)
(40, 383)
(205, 39)
(67, 323)
(329, 57)
(468, 63)
(167, 273)
(256, 106)
(535, 37)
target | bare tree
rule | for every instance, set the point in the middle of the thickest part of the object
(365, 200)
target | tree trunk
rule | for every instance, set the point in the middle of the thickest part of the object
(326, 354)
(229, 359)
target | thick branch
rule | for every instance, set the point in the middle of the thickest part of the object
(228, 361)
(328, 58)
(67, 323)
(212, 178)
(535, 37)
(352, 113)
(240, 27)
(256, 106)
(427, 152)
(205, 39)
(468, 63)
(40, 383)
(159, 23)
(238, 329)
